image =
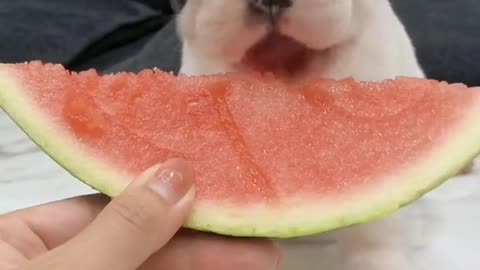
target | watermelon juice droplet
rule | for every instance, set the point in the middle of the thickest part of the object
(83, 117)
(315, 96)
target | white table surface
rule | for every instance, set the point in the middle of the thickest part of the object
(28, 177)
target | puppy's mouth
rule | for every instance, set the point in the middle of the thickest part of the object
(277, 54)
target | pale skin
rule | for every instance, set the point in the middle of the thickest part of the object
(139, 229)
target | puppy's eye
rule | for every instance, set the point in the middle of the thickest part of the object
(177, 5)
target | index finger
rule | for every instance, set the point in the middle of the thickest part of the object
(55, 223)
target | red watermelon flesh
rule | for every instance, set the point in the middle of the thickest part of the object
(271, 158)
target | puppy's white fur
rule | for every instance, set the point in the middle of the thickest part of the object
(362, 39)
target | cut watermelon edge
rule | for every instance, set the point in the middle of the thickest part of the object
(313, 217)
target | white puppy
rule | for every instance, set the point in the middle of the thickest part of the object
(297, 39)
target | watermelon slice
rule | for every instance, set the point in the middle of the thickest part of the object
(272, 159)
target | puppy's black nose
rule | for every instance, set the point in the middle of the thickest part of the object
(271, 7)
(276, 3)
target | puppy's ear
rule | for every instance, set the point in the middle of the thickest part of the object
(177, 5)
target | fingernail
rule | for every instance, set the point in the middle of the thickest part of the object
(171, 184)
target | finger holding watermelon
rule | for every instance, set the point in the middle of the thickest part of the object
(139, 229)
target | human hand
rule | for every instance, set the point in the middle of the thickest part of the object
(139, 229)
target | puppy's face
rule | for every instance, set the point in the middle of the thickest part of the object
(267, 35)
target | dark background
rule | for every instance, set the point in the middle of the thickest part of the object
(115, 35)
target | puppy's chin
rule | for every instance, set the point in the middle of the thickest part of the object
(278, 54)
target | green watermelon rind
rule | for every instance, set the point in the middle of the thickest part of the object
(259, 221)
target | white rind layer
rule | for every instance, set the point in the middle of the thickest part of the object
(306, 217)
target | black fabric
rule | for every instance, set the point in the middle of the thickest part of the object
(117, 35)
(72, 32)
(446, 34)
(160, 49)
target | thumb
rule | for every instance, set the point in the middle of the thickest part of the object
(138, 222)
